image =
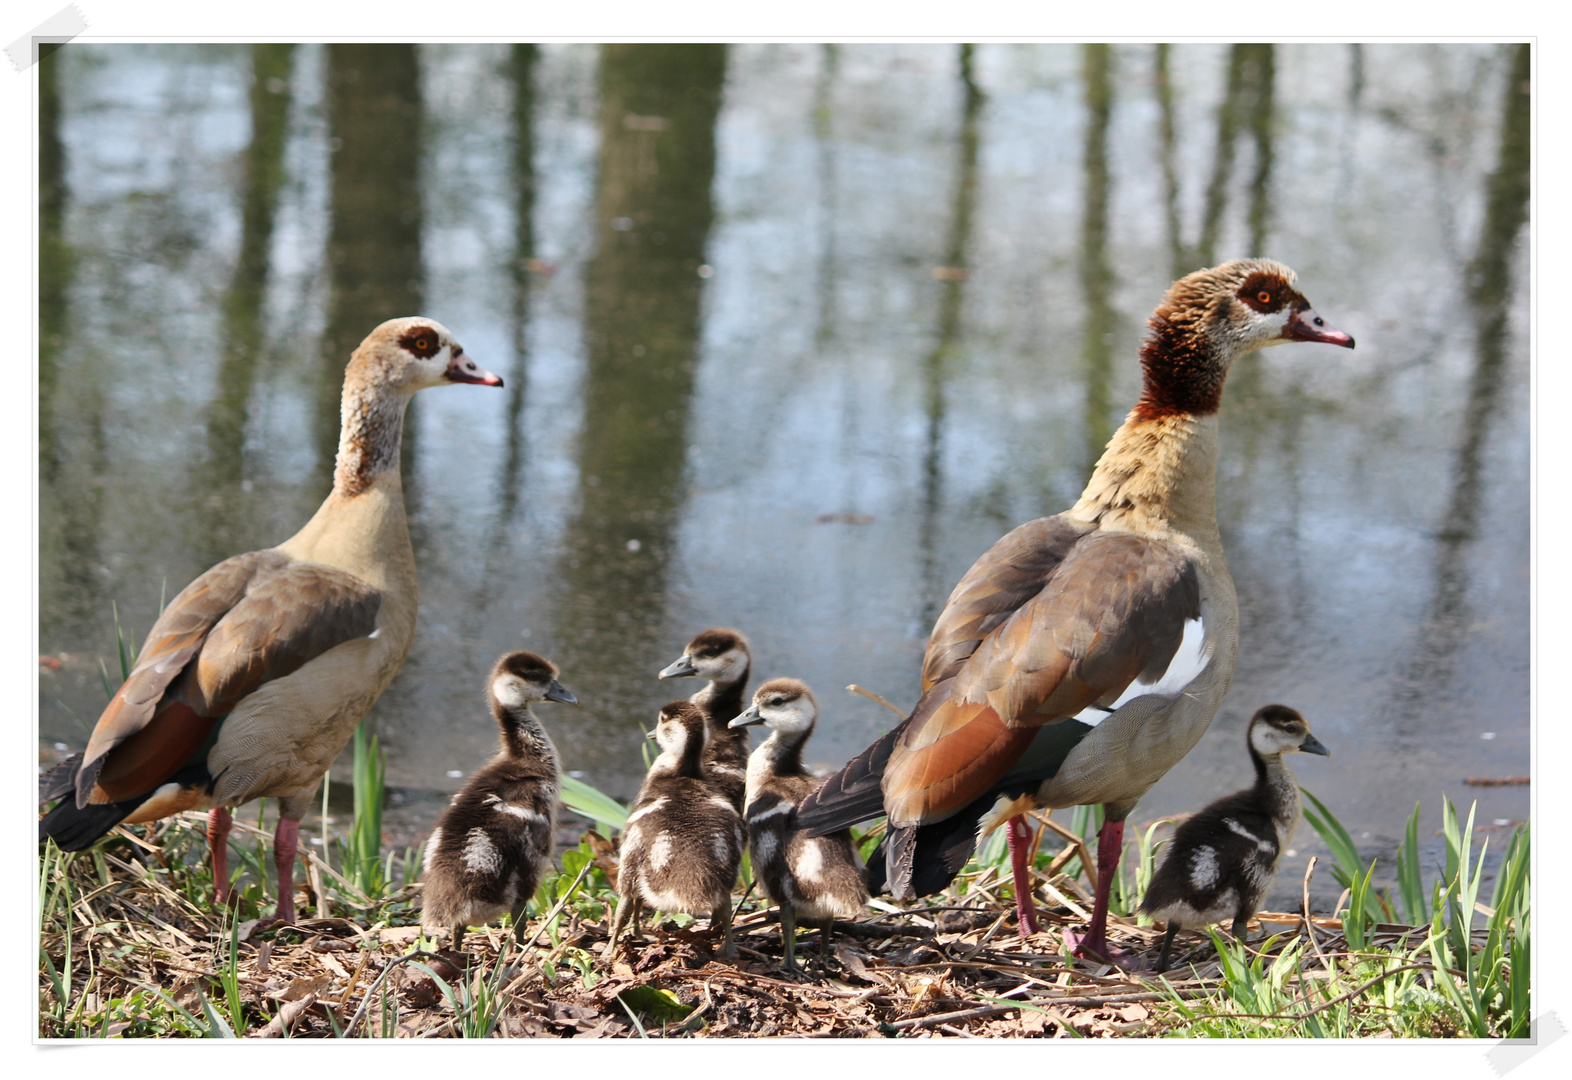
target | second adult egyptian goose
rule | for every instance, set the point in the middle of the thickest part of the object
(255, 675)
(721, 656)
(1084, 654)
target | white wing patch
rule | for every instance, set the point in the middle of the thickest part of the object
(1189, 661)
(764, 847)
(520, 812)
(650, 809)
(1203, 868)
(660, 851)
(810, 864)
(777, 810)
(1235, 827)
(431, 847)
(480, 854)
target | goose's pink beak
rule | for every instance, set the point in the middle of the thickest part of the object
(461, 369)
(1306, 325)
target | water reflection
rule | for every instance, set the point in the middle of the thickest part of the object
(1179, 262)
(54, 256)
(1247, 99)
(1096, 274)
(373, 249)
(653, 212)
(824, 137)
(262, 175)
(1488, 285)
(935, 366)
(521, 73)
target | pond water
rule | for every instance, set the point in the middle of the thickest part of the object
(791, 334)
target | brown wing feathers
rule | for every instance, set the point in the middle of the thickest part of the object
(251, 619)
(1113, 609)
(1008, 575)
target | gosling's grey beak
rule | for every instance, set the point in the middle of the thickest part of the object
(750, 716)
(1312, 745)
(650, 734)
(561, 693)
(678, 668)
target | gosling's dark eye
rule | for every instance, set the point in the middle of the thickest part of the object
(1263, 297)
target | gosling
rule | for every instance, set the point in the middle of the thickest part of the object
(811, 878)
(1222, 859)
(494, 841)
(721, 656)
(683, 841)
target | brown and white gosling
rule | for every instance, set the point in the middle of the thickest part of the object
(1222, 859)
(683, 841)
(811, 878)
(494, 841)
(720, 655)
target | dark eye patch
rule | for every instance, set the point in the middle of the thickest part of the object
(422, 341)
(1266, 293)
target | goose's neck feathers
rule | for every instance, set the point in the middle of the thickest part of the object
(371, 428)
(1275, 792)
(722, 700)
(782, 752)
(523, 737)
(689, 761)
(1157, 477)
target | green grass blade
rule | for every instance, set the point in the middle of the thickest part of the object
(1348, 865)
(586, 801)
(1410, 884)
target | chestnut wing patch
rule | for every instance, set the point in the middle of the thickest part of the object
(248, 620)
(1114, 611)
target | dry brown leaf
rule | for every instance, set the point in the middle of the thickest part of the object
(286, 1017)
(304, 987)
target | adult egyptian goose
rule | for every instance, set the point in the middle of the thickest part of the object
(812, 878)
(255, 675)
(721, 656)
(1084, 654)
(1223, 858)
(683, 841)
(493, 842)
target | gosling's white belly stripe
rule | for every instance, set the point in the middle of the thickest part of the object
(1189, 661)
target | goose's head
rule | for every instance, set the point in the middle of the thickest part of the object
(523, 678)
(718, 654)
(410, 354)
(1209, 319)
(679, 726)
(785, 706)
(1277, 729)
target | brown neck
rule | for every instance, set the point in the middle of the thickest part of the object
(522, 735)
(1183, 372)
(372, 426)
(692, 760)
(785, 753)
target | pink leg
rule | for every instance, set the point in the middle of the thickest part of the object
(1110, 842)
(1020, 836)
(286, 839)
(218, 825)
